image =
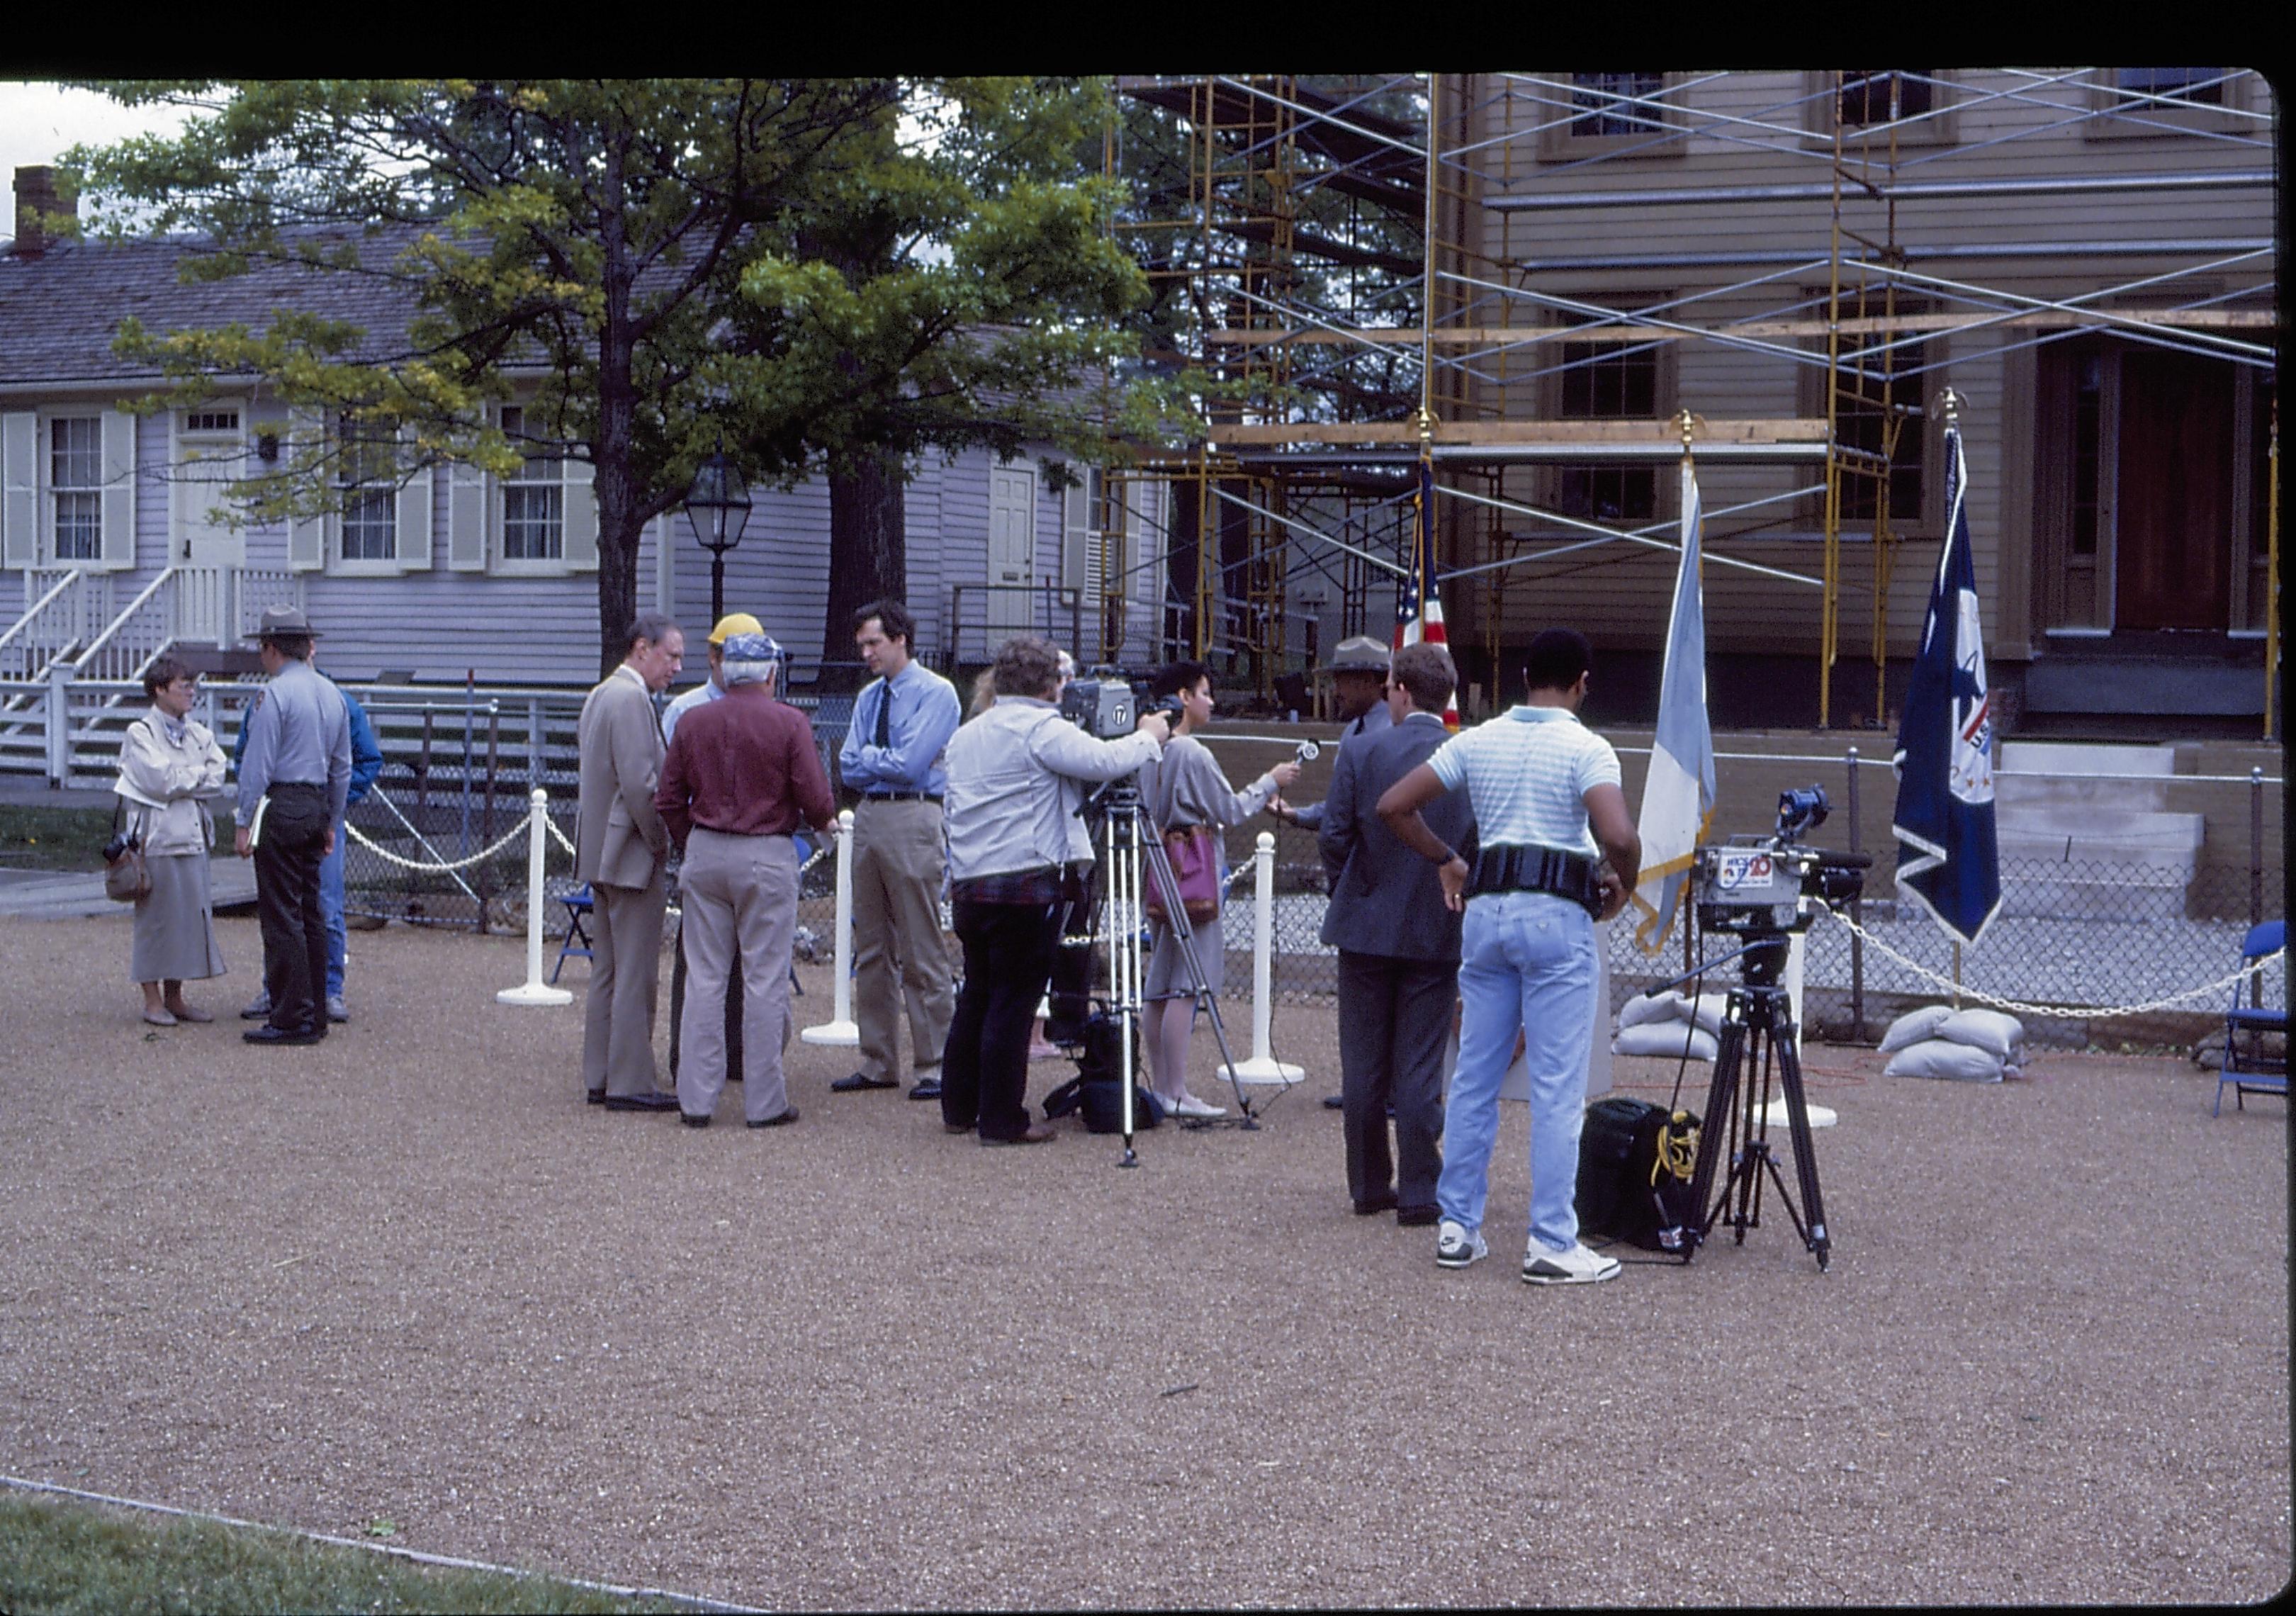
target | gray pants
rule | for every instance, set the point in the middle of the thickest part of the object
(900, 957)
(740, 898)
(1395, 1021)
(624, 975)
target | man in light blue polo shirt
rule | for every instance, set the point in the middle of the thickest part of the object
(1545, 792)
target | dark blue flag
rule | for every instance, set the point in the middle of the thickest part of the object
(1949, 860)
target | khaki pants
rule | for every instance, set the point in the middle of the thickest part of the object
(900, 957)
(740, 899)
(624, 975)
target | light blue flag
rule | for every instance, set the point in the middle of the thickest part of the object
(1678, 791)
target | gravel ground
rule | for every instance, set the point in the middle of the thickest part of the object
(409, 1274)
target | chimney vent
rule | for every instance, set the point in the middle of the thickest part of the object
(36, 194)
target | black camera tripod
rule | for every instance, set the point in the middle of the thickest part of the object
(1132, 854)
(1756, 1022)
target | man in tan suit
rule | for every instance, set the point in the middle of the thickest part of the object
(621, 847)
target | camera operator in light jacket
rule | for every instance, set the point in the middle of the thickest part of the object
(1186, 789)
(1017, 775)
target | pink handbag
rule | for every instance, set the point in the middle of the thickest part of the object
(1195, 858)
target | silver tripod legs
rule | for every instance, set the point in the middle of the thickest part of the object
(1136, 856)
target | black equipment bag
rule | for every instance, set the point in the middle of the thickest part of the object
(1097, 1090)
(1635, 1165)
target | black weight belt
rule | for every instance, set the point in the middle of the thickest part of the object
(1505, 868)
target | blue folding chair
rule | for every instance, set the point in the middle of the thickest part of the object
(2250, 1070)
(578, 904)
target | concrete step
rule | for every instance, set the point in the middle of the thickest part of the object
(2131, 836)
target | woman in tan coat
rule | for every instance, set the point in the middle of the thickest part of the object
(169, 766)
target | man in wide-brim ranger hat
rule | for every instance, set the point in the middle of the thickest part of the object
(294, 783)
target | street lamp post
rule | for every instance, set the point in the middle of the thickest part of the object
(718, 508)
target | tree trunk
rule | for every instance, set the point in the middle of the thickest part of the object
(868, 552)
(610, 450)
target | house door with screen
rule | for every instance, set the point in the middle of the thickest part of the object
(2173, 534)
(207, 553)
(1012, 551)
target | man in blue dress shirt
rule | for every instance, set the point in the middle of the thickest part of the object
(892, 756)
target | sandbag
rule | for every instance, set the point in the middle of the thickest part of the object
(1992, 1031)
(1945, 1058)
(1709, 1011)
(1666, 1039)
(1912, 1026)
(1666, 1006)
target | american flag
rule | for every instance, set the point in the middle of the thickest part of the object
(1418, 603)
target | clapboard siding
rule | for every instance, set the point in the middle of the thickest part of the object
(443, 624)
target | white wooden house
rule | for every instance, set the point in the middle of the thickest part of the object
(109, 552)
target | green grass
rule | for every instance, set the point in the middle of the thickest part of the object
(53, 838)
(61, 1555)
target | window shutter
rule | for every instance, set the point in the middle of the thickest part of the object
(467, 517)
(414, 506)
(307, 536)
(581, 544)
(19, 489)
(118, 433)
(1072, 533)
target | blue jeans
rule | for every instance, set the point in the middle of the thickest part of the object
(1528, 963)
(330, 905)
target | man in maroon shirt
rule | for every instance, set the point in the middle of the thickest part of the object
(742, 773)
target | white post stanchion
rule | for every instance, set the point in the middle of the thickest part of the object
(1775, 1113)
(1263, 1067)
(841, 1029)
(535, 990)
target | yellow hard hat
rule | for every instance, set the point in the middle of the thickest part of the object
(733, 623)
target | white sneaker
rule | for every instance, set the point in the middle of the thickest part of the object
(1544, 1265)
(1455, 1248)
(1188, 1105)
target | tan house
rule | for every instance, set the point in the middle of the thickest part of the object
(2085, 256)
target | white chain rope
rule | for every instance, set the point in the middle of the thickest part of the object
(387, 857)
(2206, 990)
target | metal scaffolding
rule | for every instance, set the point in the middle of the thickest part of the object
(1318, 330)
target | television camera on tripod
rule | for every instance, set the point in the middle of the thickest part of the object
(1132, 864)
(1767, 890)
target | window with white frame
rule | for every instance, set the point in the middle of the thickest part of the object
(1870, 97)
(366, 470)
(1615, 103)
(1632, 114)
(533, 500)
(75, 486)
(2185, 86)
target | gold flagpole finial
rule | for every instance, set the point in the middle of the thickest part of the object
(1685, 421)
(1951, 403)
(1426, 419)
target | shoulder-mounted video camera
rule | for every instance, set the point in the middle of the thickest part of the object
(1106, 705)
(1774, 886)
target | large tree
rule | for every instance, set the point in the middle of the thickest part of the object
(958, 285)
(681, 264)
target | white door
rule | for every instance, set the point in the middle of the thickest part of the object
(1011, 551)
(210, 455)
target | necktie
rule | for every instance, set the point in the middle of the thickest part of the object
(885, 714)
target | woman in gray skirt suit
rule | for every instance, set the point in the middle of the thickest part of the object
(1185, 787)
(169, 766)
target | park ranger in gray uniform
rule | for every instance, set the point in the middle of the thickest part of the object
(293, 785)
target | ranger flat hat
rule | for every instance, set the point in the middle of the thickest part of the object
(282, 619)
(1361, 654)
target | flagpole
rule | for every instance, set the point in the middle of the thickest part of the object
(1951, 401)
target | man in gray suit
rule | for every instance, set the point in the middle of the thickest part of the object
(1398, 948)
(619, 848)
(1359, 670)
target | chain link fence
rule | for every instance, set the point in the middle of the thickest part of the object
(2073, 930)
